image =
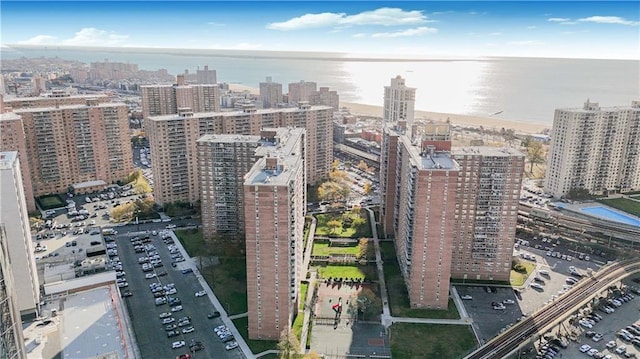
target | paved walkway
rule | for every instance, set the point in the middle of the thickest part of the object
(385, 318)
(307, 312)
(214, 300)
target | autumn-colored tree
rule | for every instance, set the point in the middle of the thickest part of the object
(288, 345)
(338, 176)
(366, 249)
(362, 166)
(312, 355)
(369, 303)
(334, 165)
(334, 225)
(367, 188)
(535, 154)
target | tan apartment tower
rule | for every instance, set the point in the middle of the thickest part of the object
(399, 102)
(79, 146)
(159, 100)
(54, 99)
(274, 205)
(594, 148)
(12, 339)
(15, 220)
(301, 91)
(13, 138)
(487, 200)
(174, 155)
(270, 93)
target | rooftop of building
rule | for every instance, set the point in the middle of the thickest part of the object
(283, 143)
(427, 159)
(49, 96)
(594, 107)
(237, 113)
(226, 138)
(279, 175)
(9, 116)
(7, 159)
(486, 151)
(69, 107)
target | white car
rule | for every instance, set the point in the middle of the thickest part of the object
(585, 348)
(177, 308)
(621, 349)
(231, 345)
(150, 275)
(536, 286)
(165, 315)
(611, 344)
(592, 352)
(187, 330)
(201, 293)
(585, 324)
(168, 320)
(178, 344)
(508, 301)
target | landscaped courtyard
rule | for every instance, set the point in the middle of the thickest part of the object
(349, 224)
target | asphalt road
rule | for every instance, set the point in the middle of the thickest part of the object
(149, 331)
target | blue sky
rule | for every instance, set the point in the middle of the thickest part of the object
(590, 29)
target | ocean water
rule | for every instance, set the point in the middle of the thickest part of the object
(524, 89)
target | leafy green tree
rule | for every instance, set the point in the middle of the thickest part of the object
(334, 225)
(369, 303)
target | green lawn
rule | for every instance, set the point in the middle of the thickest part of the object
(359, 231)
(517, 279)
(228, 279)
(191, 240)
(398, 295)
(417, 341)
(351, 271)
(297, 325)
(256, 346)
(304, 286)
(323, 249)
(623, 204)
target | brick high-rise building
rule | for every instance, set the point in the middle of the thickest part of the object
(594, 148)
(15, 220)
(206, 76)
(488, 195)
(53, 99)
(223, 162)
(270, 93)
(325, 97)
(174, 154)
(159, 100)
(12, 339)
(451, 212)
(13, 139)
(70, 145)
(274, 206)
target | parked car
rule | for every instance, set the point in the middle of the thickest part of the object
(178, 344)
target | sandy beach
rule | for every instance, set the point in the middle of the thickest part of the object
(494, 123)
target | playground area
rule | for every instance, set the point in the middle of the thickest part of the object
(336, 329)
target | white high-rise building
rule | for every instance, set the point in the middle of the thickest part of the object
(399, 102)
(14, 217)
(594, 148)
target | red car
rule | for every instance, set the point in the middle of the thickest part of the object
(184, 356)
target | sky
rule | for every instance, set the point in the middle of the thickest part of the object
(569, 29)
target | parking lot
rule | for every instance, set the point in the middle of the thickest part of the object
(151, 334)
(489, 322)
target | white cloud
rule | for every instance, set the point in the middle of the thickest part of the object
(213, 23)
(609, 20)
(558, 19)
(382, 16)
(358, 35)
(409, 32)
(93, 36)
(495, 34)
(568, 23)
(525, 43)
(39, 40)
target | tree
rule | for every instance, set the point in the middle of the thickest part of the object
(288, 345)
(369, 303)
(365, 249)
(535, 154)
(526, 141)
(334, 225)
(367, 188)
(334, 166)
(312, 355)
(362, 166)
(338, 176)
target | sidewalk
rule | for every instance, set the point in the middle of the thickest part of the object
(386, 317)
(307, 312)
(214, 300)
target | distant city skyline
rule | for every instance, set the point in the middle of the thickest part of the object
(589, 29)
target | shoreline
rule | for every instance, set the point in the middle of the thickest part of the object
(455, 119)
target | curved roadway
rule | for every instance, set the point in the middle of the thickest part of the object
(582, 292)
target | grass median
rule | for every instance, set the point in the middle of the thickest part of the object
(256, 346)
